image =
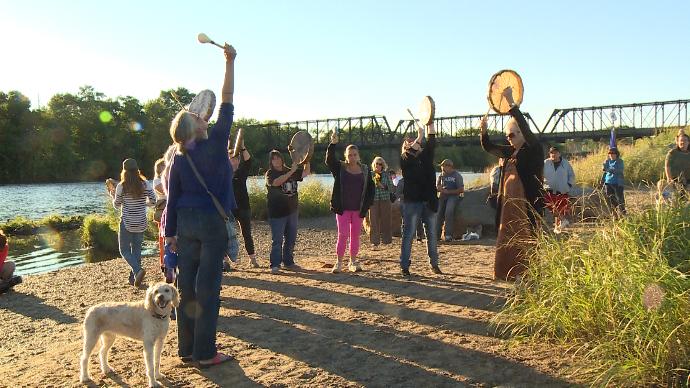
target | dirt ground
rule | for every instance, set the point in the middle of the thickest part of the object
(297, 329)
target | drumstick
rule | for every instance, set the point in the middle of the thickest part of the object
(238, 139)
(414, 119)
(203, 38)
(177, 100)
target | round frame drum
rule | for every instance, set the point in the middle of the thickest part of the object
(203, 104)
(498, 83)
(301, 147)
(427, 111)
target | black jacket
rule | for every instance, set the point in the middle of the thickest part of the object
(239, 183)
(420, 176)
(529, 162)
(337, 167)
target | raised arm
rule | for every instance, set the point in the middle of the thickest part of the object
(331, 161)
(221, 129)
(500, 151)
(229, 81)
(530, 138)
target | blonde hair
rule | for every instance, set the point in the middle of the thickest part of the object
(377, 160)
(352, 147)
(158, 168)
(182, 129)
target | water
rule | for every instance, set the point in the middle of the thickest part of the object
(36, 201)
(49, 251)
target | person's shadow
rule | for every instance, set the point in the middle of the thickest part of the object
(33, 307)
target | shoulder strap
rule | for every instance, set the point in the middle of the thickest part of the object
(203, 184)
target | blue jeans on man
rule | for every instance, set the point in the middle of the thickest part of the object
(446, 214)
(283, 236)
(202, 241)
(129, 244)
(412, 213)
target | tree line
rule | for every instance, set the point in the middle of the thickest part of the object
(85, 136)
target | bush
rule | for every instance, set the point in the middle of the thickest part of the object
(100, 232)
(618, 295)
(314, 200)
(61, 223)
(19, 226)
(644, 161)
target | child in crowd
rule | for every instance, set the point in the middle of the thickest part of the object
(132, 195)
(7, 278)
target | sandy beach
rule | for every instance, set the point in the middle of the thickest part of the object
(297, 329)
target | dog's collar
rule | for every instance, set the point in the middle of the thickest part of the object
(159, 316)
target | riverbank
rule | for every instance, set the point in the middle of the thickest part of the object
(309, 329)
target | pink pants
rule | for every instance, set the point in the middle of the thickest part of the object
(349, 225)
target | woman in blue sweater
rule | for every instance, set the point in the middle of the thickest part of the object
(194, 227)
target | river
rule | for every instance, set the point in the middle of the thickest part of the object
(49, 251)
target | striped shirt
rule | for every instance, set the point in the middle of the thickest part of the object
(134, 208)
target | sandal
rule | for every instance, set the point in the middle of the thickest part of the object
(218, 359)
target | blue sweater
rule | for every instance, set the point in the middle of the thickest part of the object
(210, 157)
(613, 172)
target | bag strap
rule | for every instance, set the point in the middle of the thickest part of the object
(219, 207)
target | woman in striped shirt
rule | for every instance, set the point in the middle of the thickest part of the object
(132, 195)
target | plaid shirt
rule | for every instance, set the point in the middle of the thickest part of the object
(383, 194)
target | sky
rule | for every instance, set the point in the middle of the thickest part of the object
(303, 60)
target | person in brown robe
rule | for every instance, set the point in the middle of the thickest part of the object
(520, 196)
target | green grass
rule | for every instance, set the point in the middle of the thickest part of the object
(588, 291)
(644, 161)
(22, 226)
(314, 200)
(100, 232)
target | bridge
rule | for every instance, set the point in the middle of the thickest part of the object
(595, 122)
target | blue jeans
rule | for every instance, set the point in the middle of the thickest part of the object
(202, 241)
(283, 235)
(446, 214)
(412, 213)
(130, 248)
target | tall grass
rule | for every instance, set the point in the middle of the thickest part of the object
(644, 160)
(23, 226)
(619, 294)
(314, 200)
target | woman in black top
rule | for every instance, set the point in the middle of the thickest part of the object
(282, 202)
(241, 164)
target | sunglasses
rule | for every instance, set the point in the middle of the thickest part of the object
(510, 135)
(379, 164)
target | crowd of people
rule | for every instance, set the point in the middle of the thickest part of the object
(199, 193)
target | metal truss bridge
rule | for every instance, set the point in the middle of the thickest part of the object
(595, 122)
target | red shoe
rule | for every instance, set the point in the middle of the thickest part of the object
(218, 359)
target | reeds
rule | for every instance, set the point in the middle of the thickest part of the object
(617, 292)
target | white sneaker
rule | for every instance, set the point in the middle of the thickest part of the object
(337, 267)
(354, 267)
(275, 270)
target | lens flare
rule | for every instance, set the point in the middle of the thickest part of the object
(105, 116)
(653, 296)
(50, 237)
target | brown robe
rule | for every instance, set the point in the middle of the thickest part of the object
(514, 231)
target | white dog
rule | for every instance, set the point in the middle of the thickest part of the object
(145, 321)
